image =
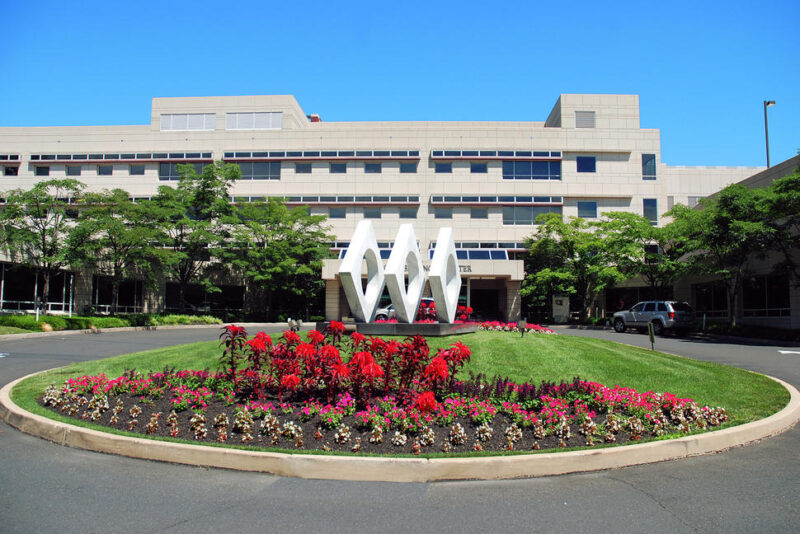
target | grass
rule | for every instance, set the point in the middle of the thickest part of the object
(13, 330)
(746, 396)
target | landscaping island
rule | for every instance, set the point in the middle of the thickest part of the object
(495, 392)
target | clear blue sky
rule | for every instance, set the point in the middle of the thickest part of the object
(702, 69)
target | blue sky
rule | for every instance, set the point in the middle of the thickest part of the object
(702, 69)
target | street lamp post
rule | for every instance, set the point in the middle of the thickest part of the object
(767, 103)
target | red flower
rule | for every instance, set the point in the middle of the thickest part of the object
(437, 369)
(329, 353)
(469, 310)
(426, 402)
(361, 360)
(315, 337)
(234, 330)
(463, 317)
(305, 350)
(257, 344)
(290, 381)
(339, 372)
(357, 338)
(291, 337)
(336, 328)
(372, 371)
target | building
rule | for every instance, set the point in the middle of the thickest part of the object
(488, 180)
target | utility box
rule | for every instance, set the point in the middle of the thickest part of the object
(560, 309)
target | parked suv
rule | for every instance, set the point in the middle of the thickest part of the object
(664, 314)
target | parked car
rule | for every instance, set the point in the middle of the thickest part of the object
(389, 312)
(663, 314)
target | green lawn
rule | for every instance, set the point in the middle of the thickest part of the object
(13, 330)
(747, 396)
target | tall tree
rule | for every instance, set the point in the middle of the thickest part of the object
(639, 248)
(278, 250)
(117, 237)
(784, 206)
(574, 260)
(35, 227)
(725, 235)
(190, 221)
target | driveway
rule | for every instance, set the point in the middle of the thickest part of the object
(45, 487)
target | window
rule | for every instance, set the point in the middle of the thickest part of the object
(586, 163)
(670, 202)
(105, 170)
(372, 168)
(479, 213)
(338, 168)
(526, 214)
(442, 213)
(372, 213)
(302, 168)
(443, 167)
(136, 170)
(766, 296)
(526, 170)
(188, 121)
(10, 171)
(42, 171)
(694, 201)
(73, 170)
(260, 170)
(585, 119)
(257, 120)
(639, 307)
(408, 168)
(587, 210)
(648, 166)
(649, 307)
(650, 210)
(169, 171)
(478, 168)
(337, 213)
(408, 213)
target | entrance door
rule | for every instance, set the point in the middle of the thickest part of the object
(484, 304)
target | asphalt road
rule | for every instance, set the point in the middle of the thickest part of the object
(46, 487)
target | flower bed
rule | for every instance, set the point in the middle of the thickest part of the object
(498, 326)
(385, 397)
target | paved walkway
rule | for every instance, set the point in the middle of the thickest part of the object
(45, 487)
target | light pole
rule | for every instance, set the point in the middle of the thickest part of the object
(767, 103)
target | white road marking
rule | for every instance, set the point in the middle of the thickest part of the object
(789, 351)
(3, 354)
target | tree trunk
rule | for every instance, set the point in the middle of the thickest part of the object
(45, 288)
(181, 293)
(115, 296)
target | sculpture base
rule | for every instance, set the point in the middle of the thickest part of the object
(405, 329)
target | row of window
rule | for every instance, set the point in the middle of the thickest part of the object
(121, 157)
(76, 170)
(494, 154)
(325, 154)
(466, 199)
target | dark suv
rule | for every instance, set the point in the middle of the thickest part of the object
(664, 314)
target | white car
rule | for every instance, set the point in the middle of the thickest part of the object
(663, 314)
(389, 312)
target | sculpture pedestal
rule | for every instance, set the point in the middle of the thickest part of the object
(406, 329)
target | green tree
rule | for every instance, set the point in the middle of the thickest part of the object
(784, 206)
(278, 250)
(190, 222)
(573, 258)
(723, 237)
(640, 249)
(117, 237)
(36, 226)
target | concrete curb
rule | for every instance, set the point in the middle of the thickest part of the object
(400, 469)
(9, 337)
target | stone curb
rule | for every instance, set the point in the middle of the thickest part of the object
(400, 469)
(9, 337)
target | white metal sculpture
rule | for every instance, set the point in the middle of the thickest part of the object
(405, 256)
(445, 277)
(444, 274)
(363, 246)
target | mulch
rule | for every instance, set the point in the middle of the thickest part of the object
(311, 430)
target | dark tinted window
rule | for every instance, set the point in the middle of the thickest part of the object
(73, 170)
(660, 306)
(681, 306)
(648, 166)
(302, 168)
(650, 210)
(137, 169)
(444, 167)
(105, 170)
(586, 163)
(10, 171)
(638, 307)
(650, 307)
(372, 168)
(408, 168)
(478, 168)
(337, 213)
(338, 168)
(42, 171)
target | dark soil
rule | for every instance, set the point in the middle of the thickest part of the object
(312, 441)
